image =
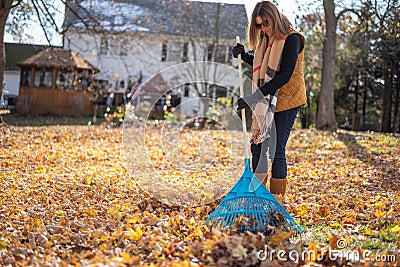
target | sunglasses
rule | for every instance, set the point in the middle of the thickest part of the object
(259, 25)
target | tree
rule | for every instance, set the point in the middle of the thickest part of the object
(326, 114)
(374, 65)
(385, 18)
(311, 26)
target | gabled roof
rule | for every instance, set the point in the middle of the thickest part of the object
(56, 57)
(174, 17)
(156, 84)
(18, 52)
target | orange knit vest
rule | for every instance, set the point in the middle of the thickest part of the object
(293, 94)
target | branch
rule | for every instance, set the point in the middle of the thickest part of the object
(48, 16)
(16, 4)
(41, 23)
(352, 10)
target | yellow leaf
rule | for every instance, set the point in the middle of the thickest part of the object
(3, 245)
(279, 238)
(36, 222)
(136, 235)
(128, 259)
(184, 263)
(348, 239)
(134, 219)
(60, 213)
(198, 210)
(369, 232)
(302, 209)
(379, 214)
(313, 247)
(198, 232)
(396, 229)
(104, 238)
(91, 212)
(333, 240)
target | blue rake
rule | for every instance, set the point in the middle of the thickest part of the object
(249, 204)
(250, 199)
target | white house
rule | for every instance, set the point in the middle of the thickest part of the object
(123, 38)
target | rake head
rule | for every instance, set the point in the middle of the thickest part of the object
(249, 206)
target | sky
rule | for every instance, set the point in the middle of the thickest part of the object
(288, 8)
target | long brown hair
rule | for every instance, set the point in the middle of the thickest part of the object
(267, 10)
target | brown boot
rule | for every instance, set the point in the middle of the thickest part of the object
(278, 188)
(262, 177)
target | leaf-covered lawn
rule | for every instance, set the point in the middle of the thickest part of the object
(67, 199)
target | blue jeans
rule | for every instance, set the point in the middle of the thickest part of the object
(275, 145)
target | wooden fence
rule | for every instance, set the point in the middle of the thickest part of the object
(51, 101)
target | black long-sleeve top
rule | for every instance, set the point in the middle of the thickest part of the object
(293, 46)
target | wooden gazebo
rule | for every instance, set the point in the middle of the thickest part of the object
(56, 81)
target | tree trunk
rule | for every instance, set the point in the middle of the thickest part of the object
(387, 97)
(4, 12)
(396, 123)
(326, 114)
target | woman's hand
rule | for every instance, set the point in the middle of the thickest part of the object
(237, 50)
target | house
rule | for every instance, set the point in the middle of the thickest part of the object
(123, 38)
(14, 53)
(56, 81)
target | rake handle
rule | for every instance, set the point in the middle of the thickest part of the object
(241, 92)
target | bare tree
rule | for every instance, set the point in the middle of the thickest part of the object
(326, 114)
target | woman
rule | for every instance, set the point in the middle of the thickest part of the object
(277, 72)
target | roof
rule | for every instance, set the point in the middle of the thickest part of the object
(156, 84)
(18, 52)
(56, 57)
(173, 17)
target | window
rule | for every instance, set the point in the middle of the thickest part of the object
(115, 46)
(174, 51)
(186, 90)
(122, 44)
(104, 46)
(124, 49)
(83, 80)
(118, 20)
(26, 77)
(210, 50)
(64, 79)
(43, 77)
(164, 52)
(185, 52)
(220, 91)
(121, 85)
(221, 55)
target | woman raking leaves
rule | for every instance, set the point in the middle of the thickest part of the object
(278, 89)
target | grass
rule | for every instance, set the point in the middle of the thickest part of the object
(362, 236)
(15, 119)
